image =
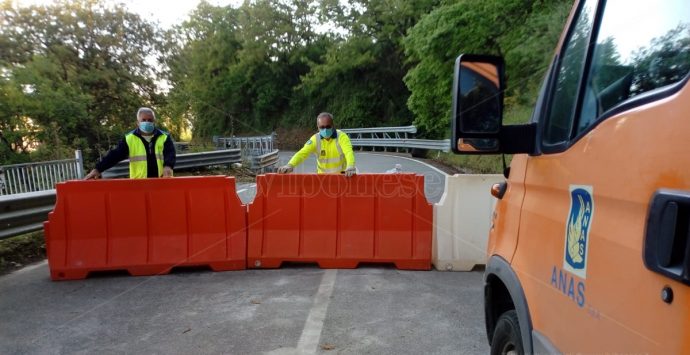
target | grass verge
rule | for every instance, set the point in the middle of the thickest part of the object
(17, 252)
(474, 164)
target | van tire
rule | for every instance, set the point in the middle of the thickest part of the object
(507, 339)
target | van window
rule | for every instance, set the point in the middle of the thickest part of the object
(638, 49)
(562, 108)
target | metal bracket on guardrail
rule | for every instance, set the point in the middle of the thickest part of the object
(264, 163)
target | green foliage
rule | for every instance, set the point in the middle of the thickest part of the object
(233, 70)
(261, 66)
(523, 31)
(360, 79)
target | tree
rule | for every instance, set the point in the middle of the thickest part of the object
(77, 72)
(520, 30)
(234, 70)
(360, 78)
(664, 61)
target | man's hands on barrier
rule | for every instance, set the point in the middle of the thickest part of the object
(92, 175)
(351, 171)
(286, 169)
(167, 172)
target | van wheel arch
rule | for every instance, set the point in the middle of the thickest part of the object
(503, 292)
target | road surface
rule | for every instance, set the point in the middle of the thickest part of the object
(293, 310)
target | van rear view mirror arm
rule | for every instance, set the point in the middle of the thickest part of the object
(517, 139)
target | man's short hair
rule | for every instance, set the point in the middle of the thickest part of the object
(324, 114)
(146, 110)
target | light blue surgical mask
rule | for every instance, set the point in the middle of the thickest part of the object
(326, 132)
(146, 127)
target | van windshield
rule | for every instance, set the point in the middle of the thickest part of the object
(637, 50)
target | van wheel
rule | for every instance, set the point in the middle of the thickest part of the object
(507, 339)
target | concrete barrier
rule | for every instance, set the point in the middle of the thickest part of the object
(462, 220)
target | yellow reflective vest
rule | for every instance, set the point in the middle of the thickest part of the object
(137, 155)
(333, 155)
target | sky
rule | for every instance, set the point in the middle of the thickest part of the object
(666, 15)
(166, 12)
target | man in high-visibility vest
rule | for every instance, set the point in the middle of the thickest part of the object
(151, 152)
(332, 148)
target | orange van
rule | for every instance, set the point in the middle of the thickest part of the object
(589, 249)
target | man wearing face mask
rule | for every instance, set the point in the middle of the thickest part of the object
(150, 151)
(332, 148)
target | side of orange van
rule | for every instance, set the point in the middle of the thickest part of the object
(589, 250)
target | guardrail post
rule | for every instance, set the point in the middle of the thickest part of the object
(3, 185)
(79, 163)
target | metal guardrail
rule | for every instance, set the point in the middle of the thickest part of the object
(249, 146)
(40, 176)
(442, 145)
(258, 150)
(393, 137)
(185, 161)
(25, 212)
(382, 132)
(401, 137)
(262, 163)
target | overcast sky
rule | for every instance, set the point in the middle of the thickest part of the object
(167, 12)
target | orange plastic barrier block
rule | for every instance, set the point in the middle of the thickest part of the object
(145, 226)
(339, 222)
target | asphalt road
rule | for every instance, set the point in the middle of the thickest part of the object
(293, 310)
(434, 179)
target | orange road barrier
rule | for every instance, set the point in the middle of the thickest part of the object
(145, 226)
(339, 222)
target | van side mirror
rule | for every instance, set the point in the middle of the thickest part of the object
(477, 111)
(477, 104)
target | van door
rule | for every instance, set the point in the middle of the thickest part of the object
(614, 131)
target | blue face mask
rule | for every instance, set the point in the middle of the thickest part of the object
(326, 132)
(146, 127)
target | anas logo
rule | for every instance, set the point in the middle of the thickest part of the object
(577, 230)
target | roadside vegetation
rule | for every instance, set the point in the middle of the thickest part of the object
(20, 251)
(73, 74)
